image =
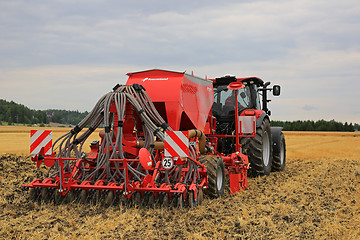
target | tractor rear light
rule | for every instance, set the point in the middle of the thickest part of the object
(249, 113)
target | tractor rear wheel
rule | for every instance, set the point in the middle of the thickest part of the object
(259, 150)
(216, 174)
(279, 156)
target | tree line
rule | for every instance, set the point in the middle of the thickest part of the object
(11, 113)
(65, 116)
(320, 125)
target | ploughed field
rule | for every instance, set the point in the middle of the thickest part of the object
(316, 197)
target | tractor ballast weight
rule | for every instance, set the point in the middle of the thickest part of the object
(163, 143)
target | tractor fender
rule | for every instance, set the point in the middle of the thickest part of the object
(276, 133)
(261, 119)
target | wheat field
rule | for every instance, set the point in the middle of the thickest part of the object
(16, 139)
(316, 197)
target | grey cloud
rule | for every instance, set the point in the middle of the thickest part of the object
(309, 47)
(309, 108)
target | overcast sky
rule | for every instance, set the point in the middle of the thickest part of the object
(66, 54)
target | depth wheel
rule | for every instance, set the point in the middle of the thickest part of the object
(216, 174)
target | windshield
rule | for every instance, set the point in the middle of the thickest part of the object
(224, 104)
(224, 96)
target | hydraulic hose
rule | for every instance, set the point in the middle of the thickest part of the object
(202, 139)
(103, 112)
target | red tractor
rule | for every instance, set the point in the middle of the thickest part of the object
(165, 141)
(266, 145)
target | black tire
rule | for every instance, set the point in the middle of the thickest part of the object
(259, 150)
(216, 175)
(279, 154)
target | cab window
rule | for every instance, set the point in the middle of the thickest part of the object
(224, 104)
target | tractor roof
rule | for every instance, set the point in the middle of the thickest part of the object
(225, 80)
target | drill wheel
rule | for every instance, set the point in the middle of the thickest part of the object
(109, 199)
(151, 203)
(145, 201)
(200, 197)
(166, 201)
(137, 199)
(57, 197)
(83, 196)
(44, 195)
(69, 197)
(191, 201)
(96, 197)
(33, 194)
(121, 199)
(178, 201)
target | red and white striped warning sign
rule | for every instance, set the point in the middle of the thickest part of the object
(40, 139)
(176, 144)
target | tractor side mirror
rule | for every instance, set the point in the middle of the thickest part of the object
(276, 90)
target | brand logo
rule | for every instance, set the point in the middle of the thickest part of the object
(155, 79)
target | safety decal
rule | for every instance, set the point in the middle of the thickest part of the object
(40, 139)
(176, 144)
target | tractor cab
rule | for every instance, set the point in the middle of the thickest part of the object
(224, 97)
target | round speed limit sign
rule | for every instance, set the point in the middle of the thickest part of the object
(167, 163)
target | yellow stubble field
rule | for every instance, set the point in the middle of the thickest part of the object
(319, 145)
(317, 196)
